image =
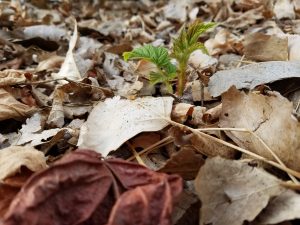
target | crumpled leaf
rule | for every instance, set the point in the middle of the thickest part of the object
(116, 120)
(11, 77)
(269, 117)
(32, 133)
(11, 108)
(232, 192)
(252, 75)
(101, 189)
(14, 157)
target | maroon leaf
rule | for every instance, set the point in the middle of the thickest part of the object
(82, 189)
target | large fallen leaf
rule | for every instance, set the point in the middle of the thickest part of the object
(113, 122)
(252, 75)
(11, 108)
(232, 192)
(81, 188)
(14, 157)
(269, 117)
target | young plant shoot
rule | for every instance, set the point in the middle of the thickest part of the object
(183, 46)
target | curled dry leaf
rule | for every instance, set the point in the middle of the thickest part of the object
(82, 188)
(252, 75)
(11, 108)
(181, 112)
(113, 122)
(14, 157)
(269, 117)
(233, 192)
(11, 77)
(69, 68)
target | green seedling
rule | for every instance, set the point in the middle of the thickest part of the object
(183, 46)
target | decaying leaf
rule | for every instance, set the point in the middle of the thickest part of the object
(233, 192)
(14, 157)
(82, 188)
(269, 117)
(11, 108)
(252, 75)
(10, 187)
(116, 120)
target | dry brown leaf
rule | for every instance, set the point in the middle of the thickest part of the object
(186, 163)
(14, 157)
(11, 108)
(262, 47)
(233, 192)
(269, 117)
(211, 148)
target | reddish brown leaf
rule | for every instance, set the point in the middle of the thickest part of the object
(81, 189)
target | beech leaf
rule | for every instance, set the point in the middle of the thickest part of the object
(113, 122)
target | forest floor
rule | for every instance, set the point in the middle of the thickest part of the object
(150, 112)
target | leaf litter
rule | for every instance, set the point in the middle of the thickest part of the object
(65, 85)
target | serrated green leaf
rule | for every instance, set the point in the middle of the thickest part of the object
(187, 41)
(156, 55)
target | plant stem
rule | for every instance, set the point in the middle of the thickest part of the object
(181, 78)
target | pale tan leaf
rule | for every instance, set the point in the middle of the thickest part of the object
(270, 117)
(282, 208)
(13, 157)
(11, 108)
(11, 77)
(116, 120)
(69, 68)
(232, 192)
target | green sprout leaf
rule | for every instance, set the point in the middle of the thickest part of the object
(160, 57)
(187, 41)
(184, 45)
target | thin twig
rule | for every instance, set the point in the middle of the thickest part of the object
(156, 145)
(135, 154)
(260, 140)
